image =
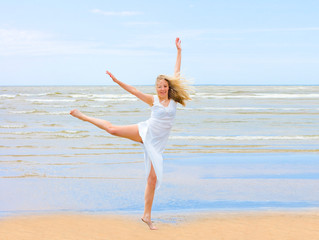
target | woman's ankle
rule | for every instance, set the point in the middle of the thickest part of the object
(146, 217)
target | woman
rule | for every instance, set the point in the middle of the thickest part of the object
(153, 133)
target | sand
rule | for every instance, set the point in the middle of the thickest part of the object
(267, 225)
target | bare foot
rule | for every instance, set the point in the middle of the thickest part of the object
(149, 223)
(76, 113)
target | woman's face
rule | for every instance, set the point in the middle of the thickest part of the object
(162, 88)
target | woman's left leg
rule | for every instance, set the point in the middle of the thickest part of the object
(129, 131)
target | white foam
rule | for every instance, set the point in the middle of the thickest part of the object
(32, 94)
(58, 113)
(262, 96)
(29, 112)
(7, 96)
(248, 138)
(51, 100)
(251, 109)
(108, 96)
(64, 133)
(114, 99)
(115, 96)
(13, 126)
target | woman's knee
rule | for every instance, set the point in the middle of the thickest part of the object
(151, 180)
(112, 130)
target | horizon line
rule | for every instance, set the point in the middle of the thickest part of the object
(153, 85)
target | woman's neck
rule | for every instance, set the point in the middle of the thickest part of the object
(163, 99)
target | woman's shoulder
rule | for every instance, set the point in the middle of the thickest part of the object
(174, 103)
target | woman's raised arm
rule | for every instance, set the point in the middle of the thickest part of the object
(179, 58)
(147, 98)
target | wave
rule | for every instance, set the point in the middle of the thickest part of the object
(68, 134)
(38, 175)
(114, 99)
(114, 96)
(239, 138)
(59, 113)
(9, 96)
(13, 126)
(29, 112)
(73, 131)
(29, 94)
(52, 125)
(97, 113)
(44, 101)
(50, 100)
(38, 94)
(39, 112)
(250, 109)
(262, 96)
(49, 133)
(103, 97)
(27, 175)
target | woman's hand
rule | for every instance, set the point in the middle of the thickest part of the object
(178, 44)
(112, 76)
(178, 58)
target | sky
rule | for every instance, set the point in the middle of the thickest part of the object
(224, 42)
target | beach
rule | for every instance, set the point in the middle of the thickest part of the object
(241, 163)
(228, 226)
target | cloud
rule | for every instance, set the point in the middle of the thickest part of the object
(141, 23)
(160, 41)
(122, 13)
(15, 42)
(35, 43)
(39, 43)
(258, 30)
(14, 35)
(285, 29)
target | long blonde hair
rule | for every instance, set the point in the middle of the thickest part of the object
(178, 88)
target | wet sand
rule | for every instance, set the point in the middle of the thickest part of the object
(257, 225)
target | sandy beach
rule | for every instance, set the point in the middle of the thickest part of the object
(256, 225)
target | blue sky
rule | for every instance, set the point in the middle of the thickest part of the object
(64, 42)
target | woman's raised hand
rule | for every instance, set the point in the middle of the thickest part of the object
(112, 76)
(178, 58)
(178, 44)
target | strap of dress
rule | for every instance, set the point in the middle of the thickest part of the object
(156, 100)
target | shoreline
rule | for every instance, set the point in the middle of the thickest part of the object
(151, 85)
(160, 214)
(222, 225)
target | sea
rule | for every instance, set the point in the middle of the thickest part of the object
(231, 148)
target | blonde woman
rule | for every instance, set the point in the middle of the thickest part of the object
(154, 132)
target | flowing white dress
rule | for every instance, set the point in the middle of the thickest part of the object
(154, 133)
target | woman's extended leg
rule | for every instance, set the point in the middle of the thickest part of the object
(149, 196)
(130, 131)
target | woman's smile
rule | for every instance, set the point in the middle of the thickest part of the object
(162, 88)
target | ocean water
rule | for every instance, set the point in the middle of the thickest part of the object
(231, 147)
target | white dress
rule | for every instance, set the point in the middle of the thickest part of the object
(154, 133)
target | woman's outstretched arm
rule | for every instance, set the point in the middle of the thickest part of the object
(179, 58)
(147, 98)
